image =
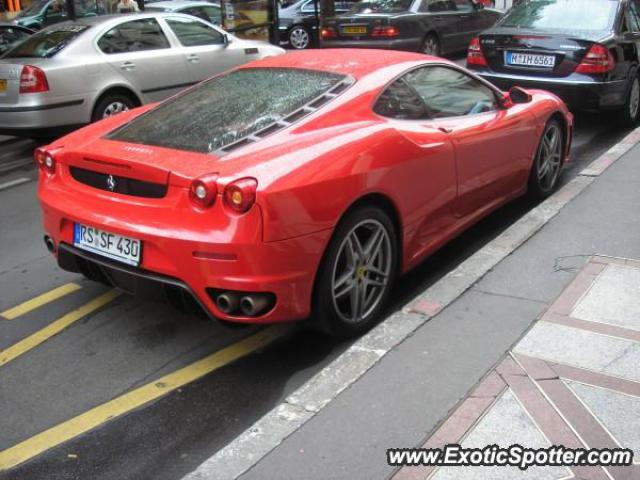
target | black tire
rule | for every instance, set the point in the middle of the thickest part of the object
(540, 187)
(111, 99)
(327, 312)
(431, 45)
(300, 37)
(631, 109)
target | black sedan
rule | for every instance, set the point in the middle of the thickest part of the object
(434, 27)
(11, 35)
(298, 22)
(586, 52)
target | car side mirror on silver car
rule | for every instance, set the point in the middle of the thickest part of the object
(225, 39)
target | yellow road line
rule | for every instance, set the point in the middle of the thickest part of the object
(129, 401)
(39, 301)
(55, 327)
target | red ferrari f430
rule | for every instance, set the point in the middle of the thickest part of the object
(296, 187)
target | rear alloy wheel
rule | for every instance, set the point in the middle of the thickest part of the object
(548, 162)
(431, 45)
(299, 38)
(632, 106)
(111, 105)
(357, 273)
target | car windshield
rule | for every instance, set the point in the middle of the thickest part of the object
(562, 15)
(46, 43)
(382, 6)
(227, 108)
(32, 9)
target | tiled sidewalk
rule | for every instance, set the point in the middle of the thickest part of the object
(573, 380)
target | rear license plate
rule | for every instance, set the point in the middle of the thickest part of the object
(3, 85)
(111, 245)
(530, 60)
(354, 30)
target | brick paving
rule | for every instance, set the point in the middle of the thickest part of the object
(573, 380)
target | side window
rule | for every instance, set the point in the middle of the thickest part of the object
(214, 14)
(192, 33)
(400, 101)
(447, 92)
(464, 6)
(196, 12)
(134, 36)
(308, 8)
(633, 16)
(437, 6)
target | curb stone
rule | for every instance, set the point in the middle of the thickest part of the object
(283, 420)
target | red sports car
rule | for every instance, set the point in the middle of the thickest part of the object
(297, 186)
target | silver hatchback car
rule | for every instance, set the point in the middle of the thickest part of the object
(77, 72)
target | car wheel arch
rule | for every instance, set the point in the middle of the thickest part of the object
(117, 90)
(432, 33)
(385, 203)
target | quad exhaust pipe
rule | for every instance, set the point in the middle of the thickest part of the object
(49, 243)
(252, 305)
(228, 302)
(244, 304)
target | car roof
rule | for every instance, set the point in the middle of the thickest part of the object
(181, 4)
(347, 61)
(114, 18)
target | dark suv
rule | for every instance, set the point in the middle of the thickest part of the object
(585, 51)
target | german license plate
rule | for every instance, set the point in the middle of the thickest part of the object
(531, 60)
(355, 30)
(110, 245)
(3, 85)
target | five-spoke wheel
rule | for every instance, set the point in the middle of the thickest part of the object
(357, 272)
(548, 162)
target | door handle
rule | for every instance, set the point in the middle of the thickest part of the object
(193, 58)
(445, 129)
(128, 66)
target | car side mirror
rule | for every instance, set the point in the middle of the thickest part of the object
(519, 95)
(225, 39)
(478, 5)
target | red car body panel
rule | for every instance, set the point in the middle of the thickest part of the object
(438, 176)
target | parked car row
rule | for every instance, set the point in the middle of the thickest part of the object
(592, 66)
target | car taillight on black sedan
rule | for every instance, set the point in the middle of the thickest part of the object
(475, 55)
(597, 60)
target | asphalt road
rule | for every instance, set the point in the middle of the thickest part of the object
(99, 386)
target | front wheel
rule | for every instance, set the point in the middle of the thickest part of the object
(547, 165)
(631, 108)
(357, 273)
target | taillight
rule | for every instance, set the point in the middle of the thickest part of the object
(597, 60)
(203, 190)
(45, 160)
(33, 80)
(328, 32)
(387, 31)
(475, 55)
(241, 194)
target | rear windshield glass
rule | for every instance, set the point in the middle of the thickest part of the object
(226, 108)
(382, 6)
(562, 15)
(46, 43)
